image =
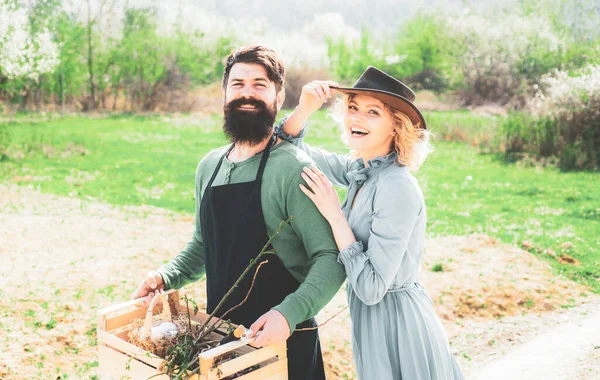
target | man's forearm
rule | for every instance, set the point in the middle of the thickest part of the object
(322, 282)
(186, 267)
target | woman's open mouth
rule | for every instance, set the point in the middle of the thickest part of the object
(358, 132)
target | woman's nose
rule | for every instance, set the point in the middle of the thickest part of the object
(356, 116)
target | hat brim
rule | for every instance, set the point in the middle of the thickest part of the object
(395, 101)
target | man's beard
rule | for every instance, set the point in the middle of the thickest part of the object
(248, 127)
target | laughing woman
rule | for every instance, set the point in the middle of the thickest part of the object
(380, 227)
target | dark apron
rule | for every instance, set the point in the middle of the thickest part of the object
(234, 232)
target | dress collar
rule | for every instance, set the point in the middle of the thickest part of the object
(360, 173)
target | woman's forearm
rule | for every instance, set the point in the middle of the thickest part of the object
(294, 123)
(342, 232)
(313, 96)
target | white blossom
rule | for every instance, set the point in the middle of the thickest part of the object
(23, 55)
(500, 43)
(563, 93)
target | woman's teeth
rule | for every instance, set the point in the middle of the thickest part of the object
(359, 132)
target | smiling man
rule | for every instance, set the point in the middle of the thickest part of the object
(243, 192)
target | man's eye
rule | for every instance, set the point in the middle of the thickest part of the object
(260, 85)
(236, 85)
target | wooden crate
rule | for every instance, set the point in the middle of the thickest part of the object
(120, 359)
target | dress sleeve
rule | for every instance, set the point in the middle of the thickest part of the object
(397, 205)
(334, 166)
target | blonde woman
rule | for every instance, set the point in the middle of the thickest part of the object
(380, 227)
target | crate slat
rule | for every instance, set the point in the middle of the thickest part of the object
(115, 352)
(276, 352)
(113, 365)
(275, 371)
(105, 338)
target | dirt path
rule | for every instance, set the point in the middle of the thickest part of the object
(63, 258)
(570, 351)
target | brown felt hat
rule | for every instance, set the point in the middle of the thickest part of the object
(374, 82)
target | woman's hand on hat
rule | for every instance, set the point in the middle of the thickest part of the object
(314, 95)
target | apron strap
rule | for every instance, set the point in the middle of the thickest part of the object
(263, 160)
(214, 175)
(261, 168)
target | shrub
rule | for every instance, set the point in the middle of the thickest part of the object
(296, 78)
(493, 53)
(564, 120)
(348, 60)
(477, 130)
(4, 142)
(424, 51)
(437, 268)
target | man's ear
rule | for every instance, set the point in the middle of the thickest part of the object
(280, 98)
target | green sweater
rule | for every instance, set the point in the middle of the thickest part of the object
(306, 247)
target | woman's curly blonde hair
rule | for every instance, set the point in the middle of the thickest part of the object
(411, 142)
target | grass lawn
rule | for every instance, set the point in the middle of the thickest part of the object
(151, 160)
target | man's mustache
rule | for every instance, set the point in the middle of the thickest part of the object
(236, 103)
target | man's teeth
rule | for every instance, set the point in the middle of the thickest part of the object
(247, 106)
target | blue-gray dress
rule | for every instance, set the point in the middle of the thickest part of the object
(396, 334)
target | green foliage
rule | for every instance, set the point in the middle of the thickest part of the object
(478, 130)
(349, 59)
(426, 50)
(70, 77)
(144, 160)
(140, 56)
(524, 133)
(141, 67)
(566, 124)
(138, 64)
(437, 267)
(4, 142)
(419, 54)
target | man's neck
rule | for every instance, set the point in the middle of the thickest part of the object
(242, 152)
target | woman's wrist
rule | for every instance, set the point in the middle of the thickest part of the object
(337, 219)
(302, 113)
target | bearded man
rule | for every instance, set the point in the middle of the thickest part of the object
(243, 192)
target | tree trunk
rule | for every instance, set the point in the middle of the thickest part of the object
(62, 92)
(90, 60)
(114, 106)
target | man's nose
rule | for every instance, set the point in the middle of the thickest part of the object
(247, 91)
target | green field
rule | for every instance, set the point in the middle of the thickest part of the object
(137, 160)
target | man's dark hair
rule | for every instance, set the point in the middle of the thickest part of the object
(259, 55)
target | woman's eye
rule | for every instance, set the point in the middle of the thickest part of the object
(352, 108)
(373, 112)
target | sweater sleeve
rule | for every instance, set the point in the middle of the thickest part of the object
(324, 275)
(334, 166)
(188, 265)
(397, 205)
